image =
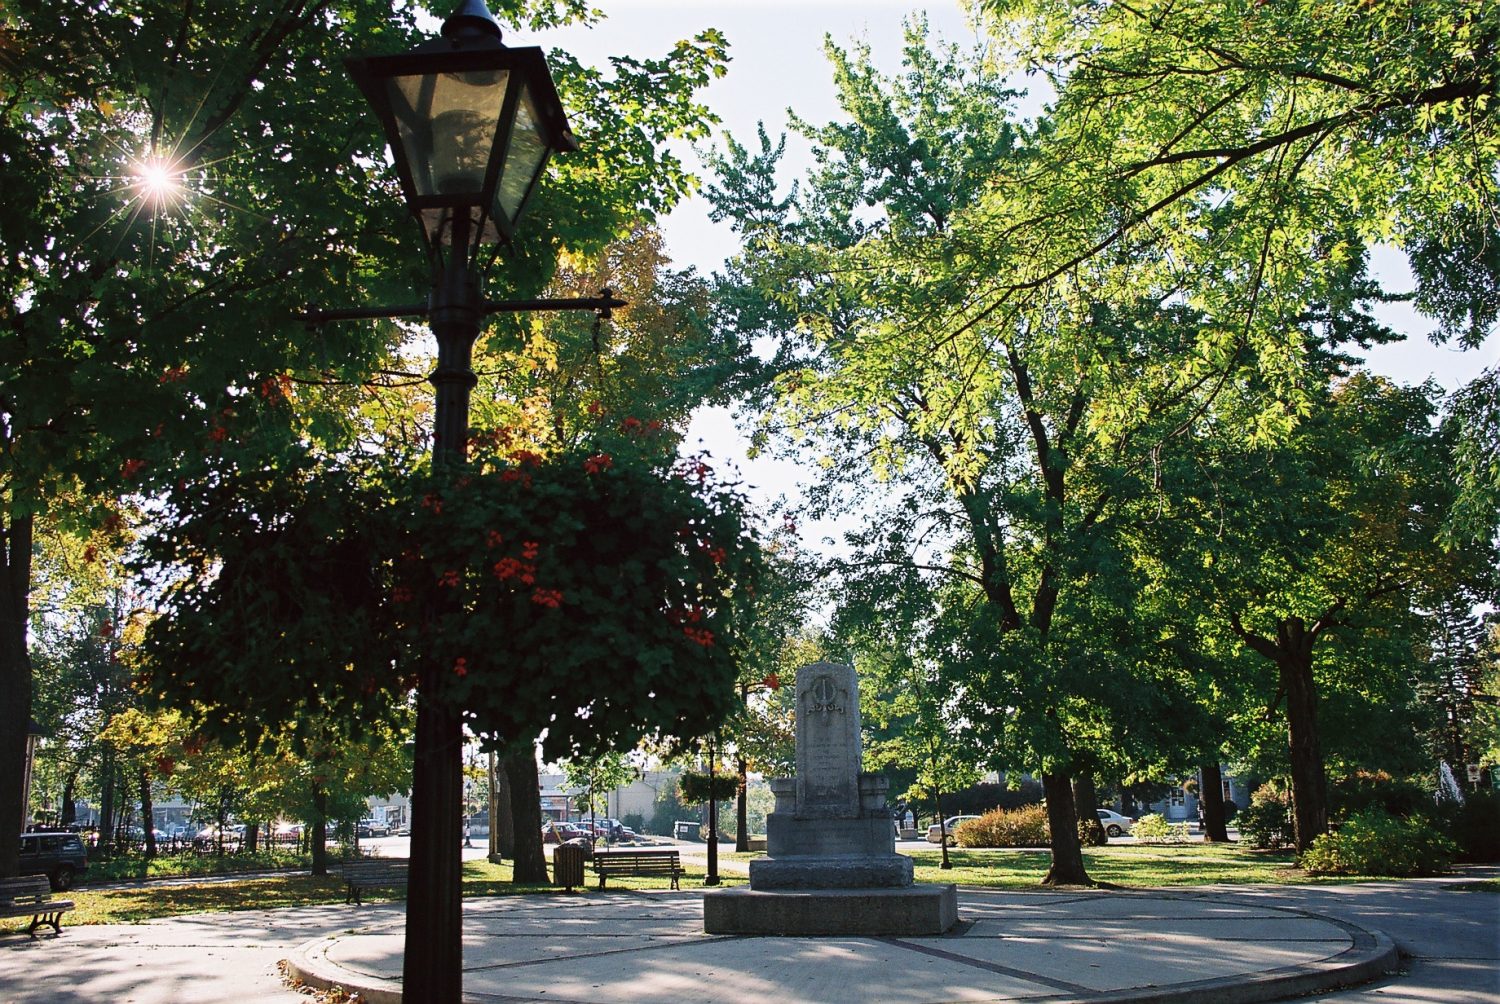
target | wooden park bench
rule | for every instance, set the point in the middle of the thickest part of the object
(31, 895)
(637, 863)
(372, 873)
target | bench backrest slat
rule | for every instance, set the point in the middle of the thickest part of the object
(27, 887)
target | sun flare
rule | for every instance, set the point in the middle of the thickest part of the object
(159, 181)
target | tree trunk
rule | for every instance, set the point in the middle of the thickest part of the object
(107, 797)
(15, 685)
(526, 812)
(502, 815)
(1062, 819)
(69, 804)
(742, 805)
(1085, 801)
(148, 814)
(252, 837)
(1309, 783)
(1211, 797)
(319, 836)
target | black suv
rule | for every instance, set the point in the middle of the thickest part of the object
(59, 856)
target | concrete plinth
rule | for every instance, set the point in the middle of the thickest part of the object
(913, 911)
(885, 871)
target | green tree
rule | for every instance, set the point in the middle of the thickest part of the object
(1332, 534)
(596, 776)
(1258, 125)
(1009, 447)
(160, 234)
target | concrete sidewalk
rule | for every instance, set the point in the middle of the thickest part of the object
(1221, 944)
(634, 947)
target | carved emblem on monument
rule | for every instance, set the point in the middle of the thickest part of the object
(823, 697)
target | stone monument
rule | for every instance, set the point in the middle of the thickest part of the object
(831, 865)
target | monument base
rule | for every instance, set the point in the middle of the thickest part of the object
(913, 911)
(884, 871)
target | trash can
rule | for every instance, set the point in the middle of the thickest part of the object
(567, 866)
(687, 829)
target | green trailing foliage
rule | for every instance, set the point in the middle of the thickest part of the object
(697, 787)
(1377, 843)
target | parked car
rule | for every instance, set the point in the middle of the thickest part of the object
(373, 828)
(61, 857)
(609, 829)
(1115, 825)
(935, 832)
(566, 833)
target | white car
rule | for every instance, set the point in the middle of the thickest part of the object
(1115, 825)
(935, 832)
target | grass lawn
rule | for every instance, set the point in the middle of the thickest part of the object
(138, 866)
(226, 892)
(1138, 866)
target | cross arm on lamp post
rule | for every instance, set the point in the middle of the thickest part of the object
(604, 304)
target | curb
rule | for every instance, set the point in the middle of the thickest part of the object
(1372, 956)
(368, 990)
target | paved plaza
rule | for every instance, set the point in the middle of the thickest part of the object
(1422, 942)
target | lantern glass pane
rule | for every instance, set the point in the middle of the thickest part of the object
(447, 123)
(524, 156)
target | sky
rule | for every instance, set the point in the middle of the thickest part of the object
(776, 48)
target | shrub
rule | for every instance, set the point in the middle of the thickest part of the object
(1364, 790)
(1475, 827)
(1091, 831)
(1154, 829)
(1377, 843)
(1023, 827)
(1267, 822)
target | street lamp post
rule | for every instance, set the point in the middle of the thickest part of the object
(471, 124)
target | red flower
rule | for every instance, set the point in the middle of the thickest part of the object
(218, 433)
(529, 550)
(433, 502)
(273, 389)
(460, 667)
(700, 636)
(508, 568)
(493, 539)
(448, 578)
(401, 594)
(547, 598)
(131, 468)
(598, 462)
